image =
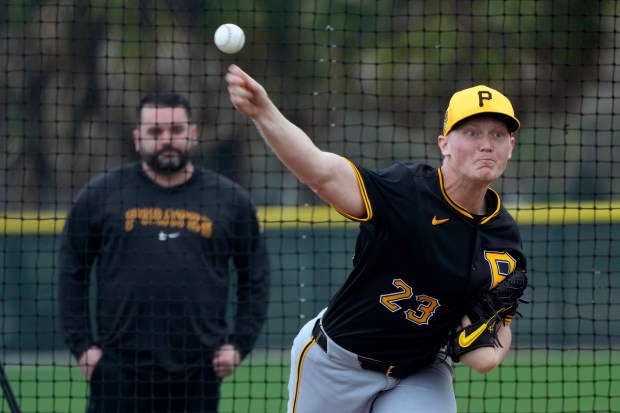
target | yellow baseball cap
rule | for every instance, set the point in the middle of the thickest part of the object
(475, 101)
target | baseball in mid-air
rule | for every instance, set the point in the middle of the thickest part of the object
(229, 38)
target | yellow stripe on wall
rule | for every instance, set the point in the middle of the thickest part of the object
(323, 216)
(29, 223)
(294, 216)
(568, 213)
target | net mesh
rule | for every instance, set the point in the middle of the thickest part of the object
(366, 79)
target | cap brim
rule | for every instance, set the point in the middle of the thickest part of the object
(513, 124)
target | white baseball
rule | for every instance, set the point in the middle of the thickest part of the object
(229, 38)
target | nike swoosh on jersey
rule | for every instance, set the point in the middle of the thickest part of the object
(466, 340)
(439, 221)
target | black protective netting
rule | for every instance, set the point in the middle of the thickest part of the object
(366, 79)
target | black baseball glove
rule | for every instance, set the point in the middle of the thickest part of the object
(495, 306)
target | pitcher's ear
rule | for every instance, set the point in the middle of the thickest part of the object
(442, 143)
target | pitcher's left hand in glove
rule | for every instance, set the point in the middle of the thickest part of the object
(496, 305)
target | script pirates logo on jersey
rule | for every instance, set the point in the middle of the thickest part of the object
(501, 264)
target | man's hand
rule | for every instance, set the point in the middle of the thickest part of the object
(89, 360)
(226, 360)
(485, 359)
(248, 96)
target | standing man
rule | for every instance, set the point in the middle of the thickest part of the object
(431, 242)
(163, 237)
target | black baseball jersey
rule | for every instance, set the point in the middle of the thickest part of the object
(163, 260)
(420, 261)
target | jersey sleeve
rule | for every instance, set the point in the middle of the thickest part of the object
(363, 193)
(384, 191)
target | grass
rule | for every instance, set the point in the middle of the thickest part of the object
(528, 382)
(544, 381)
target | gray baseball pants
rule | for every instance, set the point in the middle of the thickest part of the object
(334, 382)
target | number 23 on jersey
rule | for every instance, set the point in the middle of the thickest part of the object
(418, 315)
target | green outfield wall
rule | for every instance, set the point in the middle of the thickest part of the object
(574, 268)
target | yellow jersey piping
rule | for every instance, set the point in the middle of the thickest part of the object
(363, 192)
(460, 208)
(497, 208)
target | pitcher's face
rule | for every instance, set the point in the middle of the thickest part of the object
(479, 149)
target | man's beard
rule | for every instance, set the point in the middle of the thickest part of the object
(158, 162)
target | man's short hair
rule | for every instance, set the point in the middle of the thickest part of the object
(164, 100)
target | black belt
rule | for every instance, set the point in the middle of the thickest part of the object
(365, 362)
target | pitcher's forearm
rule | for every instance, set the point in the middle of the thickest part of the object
(291, 145)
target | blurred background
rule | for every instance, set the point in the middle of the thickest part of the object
(369, 79)
(366, 79)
